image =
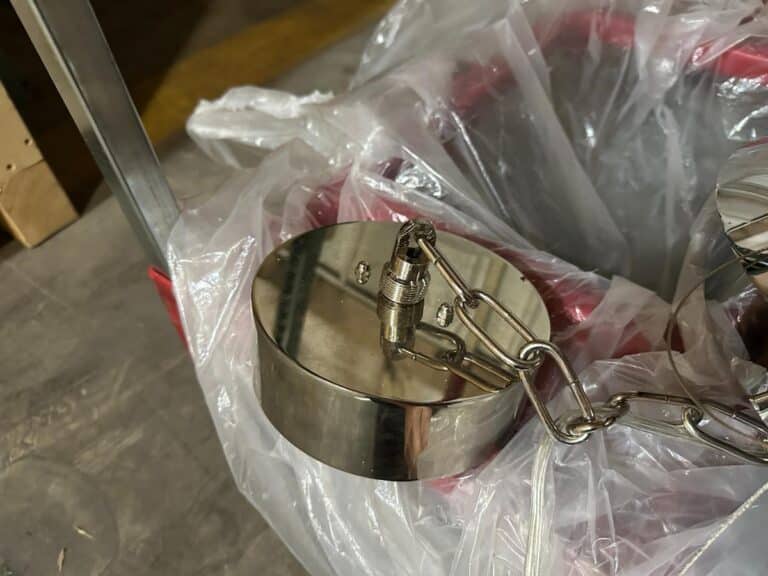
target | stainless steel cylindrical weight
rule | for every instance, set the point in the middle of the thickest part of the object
(373, 387)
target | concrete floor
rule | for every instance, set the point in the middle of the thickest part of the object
(109, 462)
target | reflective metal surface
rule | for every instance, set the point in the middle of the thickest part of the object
(69, 40)
(331, 384)
(742, 200)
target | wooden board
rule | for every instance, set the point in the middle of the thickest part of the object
(17, 147)
(33, 205)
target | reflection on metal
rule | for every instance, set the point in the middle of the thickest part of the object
(362, 272)
(444, 315)
(292, 305)
(742, 200)
(366, 385)
(70, 42)
(760, 404)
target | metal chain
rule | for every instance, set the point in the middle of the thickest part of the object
(695, 419)
(456, 360)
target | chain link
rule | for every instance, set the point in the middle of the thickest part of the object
(694, 421)
(456, 360)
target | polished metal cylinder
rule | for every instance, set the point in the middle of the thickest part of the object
(362, 383)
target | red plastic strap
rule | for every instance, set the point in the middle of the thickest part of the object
(165, 290)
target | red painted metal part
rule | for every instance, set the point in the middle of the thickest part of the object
(165, 291)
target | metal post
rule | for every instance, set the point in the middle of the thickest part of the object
(72, 46)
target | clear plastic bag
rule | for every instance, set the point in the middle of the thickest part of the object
(512, 106)
(552, 132)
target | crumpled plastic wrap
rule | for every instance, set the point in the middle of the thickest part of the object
(580, 140)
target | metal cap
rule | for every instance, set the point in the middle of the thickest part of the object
(330, 382)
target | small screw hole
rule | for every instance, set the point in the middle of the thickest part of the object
(10, 167)
(27, 141)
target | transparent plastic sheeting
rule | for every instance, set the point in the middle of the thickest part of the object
(568, 136)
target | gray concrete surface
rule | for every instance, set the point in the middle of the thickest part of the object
(109, 462)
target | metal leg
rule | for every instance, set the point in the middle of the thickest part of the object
(70, 42)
